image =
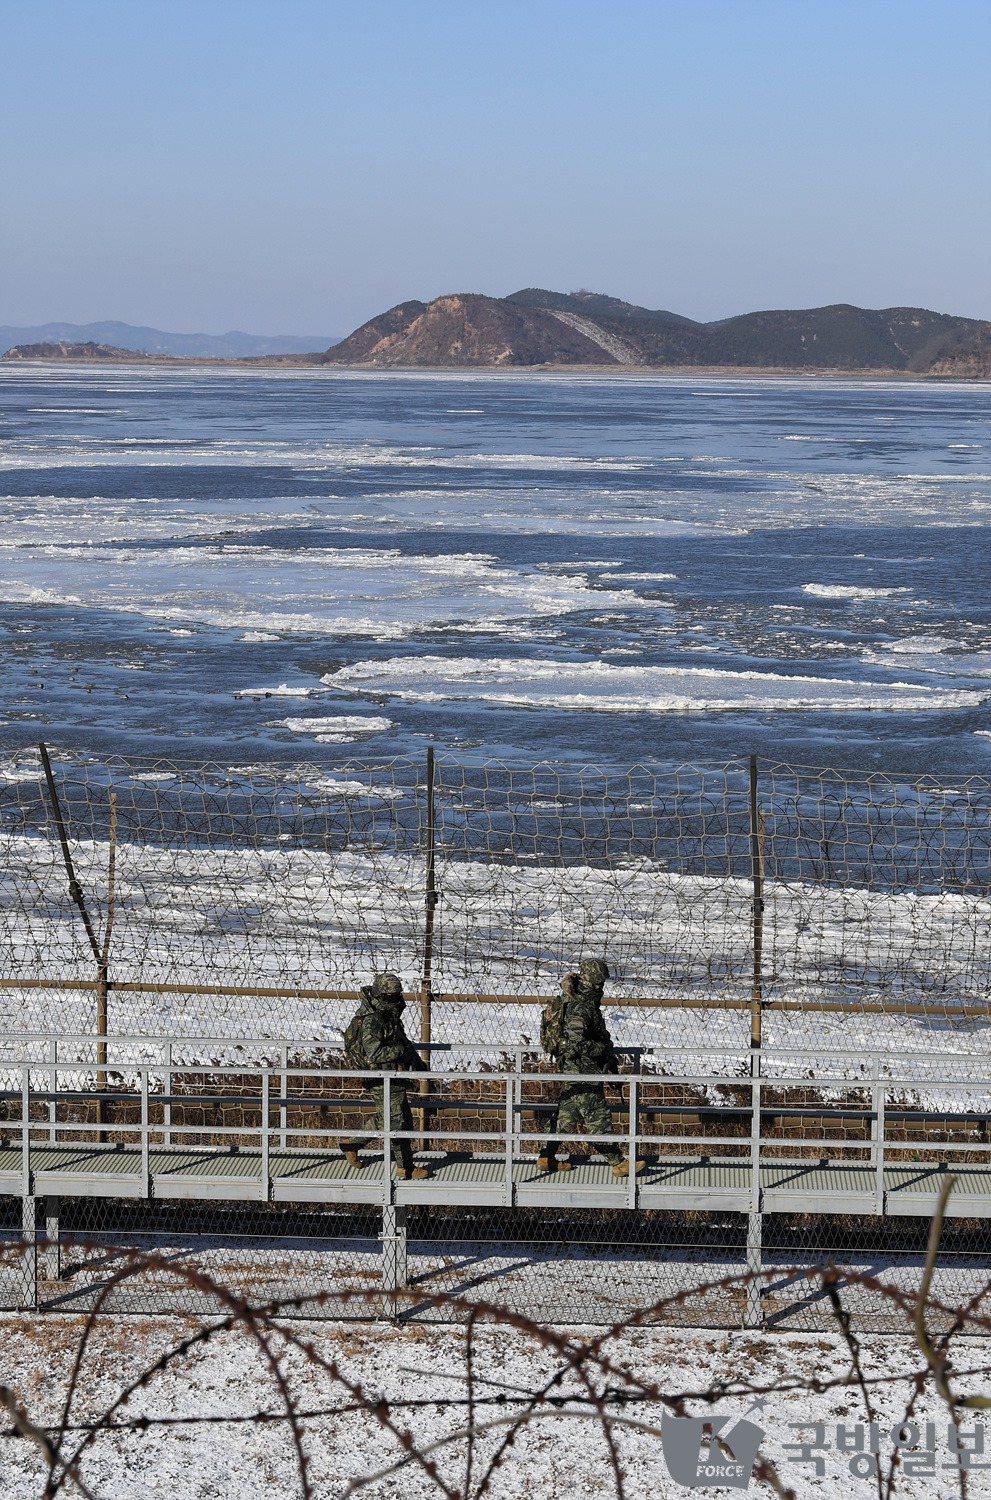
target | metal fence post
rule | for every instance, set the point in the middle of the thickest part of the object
(283, 1098)
(167, 1106)
(879, 1134)
(102, 1104)
(52, 1089)
(754, 1314)
(401, 1256)
(757, 876)
(29, 1251)
(387, 1173)
(265, 1175)
(29, 1205)
(102, 978)
(429, 910)
(393, 1218)
(634, 1125)
(510, 1102)
(53, 1248)
(145, 1133)
(395, 1256)
(26, 1132)
(100, 951)
(75, 889)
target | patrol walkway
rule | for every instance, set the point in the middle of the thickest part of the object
(739, 1136)
(462, 1179)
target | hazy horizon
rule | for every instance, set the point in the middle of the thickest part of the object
(124, 323)
(303, 167)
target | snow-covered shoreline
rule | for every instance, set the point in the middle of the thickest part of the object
(287, 916)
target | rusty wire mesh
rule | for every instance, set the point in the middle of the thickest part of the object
(874, 920)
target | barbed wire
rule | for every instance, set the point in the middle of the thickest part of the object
(591, 1380)
(256, 901)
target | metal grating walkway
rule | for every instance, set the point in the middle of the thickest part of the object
(218, 1174)
(847, 1139)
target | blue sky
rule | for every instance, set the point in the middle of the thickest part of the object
(298, 165)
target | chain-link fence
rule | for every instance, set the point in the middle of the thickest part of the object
(564, 1266)
(734, 900)
(816, 911)
(240, 1169)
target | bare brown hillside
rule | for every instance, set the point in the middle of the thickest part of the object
(468, 329)
(538, 327)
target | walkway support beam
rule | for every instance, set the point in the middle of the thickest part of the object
(395, 1269)
(29, 1251)
(51, 1265)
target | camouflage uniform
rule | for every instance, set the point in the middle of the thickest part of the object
(586, 1048)
(384, 1044)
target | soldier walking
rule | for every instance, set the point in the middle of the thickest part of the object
(375, 1039)
(574, 1034)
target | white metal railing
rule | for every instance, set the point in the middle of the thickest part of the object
(949, 1096)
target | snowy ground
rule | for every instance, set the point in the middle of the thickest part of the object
(557, 1455)
(285, 915)
(585, 1279)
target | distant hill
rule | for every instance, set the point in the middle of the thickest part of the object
(468, 329)
(157, 341)
(538, 327)
(76, 352)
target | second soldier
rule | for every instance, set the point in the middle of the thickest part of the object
(575, 1036)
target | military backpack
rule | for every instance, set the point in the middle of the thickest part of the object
(552, 1023)
(354, 1043)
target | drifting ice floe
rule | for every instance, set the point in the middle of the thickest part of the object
(335, 729)
(621, 689)
(282, 691)
(848, 591)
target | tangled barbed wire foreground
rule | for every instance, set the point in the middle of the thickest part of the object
(67, 1432)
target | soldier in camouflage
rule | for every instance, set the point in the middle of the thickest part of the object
(583, 1045)
(375, 1039)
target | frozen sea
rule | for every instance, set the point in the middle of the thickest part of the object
(264, 566)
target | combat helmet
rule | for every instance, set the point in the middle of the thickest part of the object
(593, 973)
(387, 986)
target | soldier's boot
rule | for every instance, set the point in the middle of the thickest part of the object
(547, 1160)
(352, 1158)
(406, 1170)
(622, 1168)
(565, 1166)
